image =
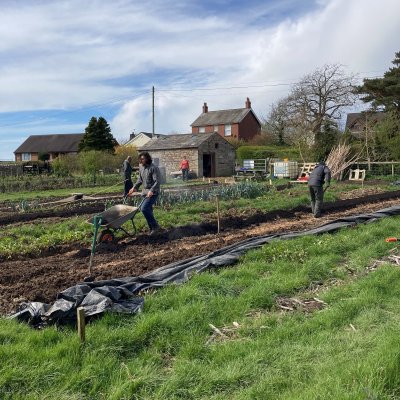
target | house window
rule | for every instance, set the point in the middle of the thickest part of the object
(216, 145)
(26, 156)
(202, 129)
(215, 128)
(228, 130)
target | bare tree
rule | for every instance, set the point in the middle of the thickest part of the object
(318, 98)
(323, 95)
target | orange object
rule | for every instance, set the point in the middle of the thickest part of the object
(391, 239)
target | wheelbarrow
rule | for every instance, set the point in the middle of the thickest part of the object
(111, 221)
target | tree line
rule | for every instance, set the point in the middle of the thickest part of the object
(307, 118)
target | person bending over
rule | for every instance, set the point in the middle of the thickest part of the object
(319, 175)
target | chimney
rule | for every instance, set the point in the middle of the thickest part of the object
(132, 135)
(205, 108)
(248, 103)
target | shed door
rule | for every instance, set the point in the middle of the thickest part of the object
(209, 165)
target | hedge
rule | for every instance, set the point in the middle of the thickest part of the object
(261, 152)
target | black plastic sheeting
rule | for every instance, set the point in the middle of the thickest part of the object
(120, 295)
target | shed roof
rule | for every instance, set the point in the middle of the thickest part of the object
(183, 141)
(233, 116)
(59, 143)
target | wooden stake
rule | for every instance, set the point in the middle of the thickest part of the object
(80, 314)
(218, 215)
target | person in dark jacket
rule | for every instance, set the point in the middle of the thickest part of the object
(319, 176)
(150, 178)
(127, 171)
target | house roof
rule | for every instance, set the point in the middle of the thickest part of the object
(60, 143)
(232, 116)
(372, 117)
(183, 141)
(150, 135)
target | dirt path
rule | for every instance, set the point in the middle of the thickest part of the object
(40, 279)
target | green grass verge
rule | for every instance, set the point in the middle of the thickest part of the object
(166, 352)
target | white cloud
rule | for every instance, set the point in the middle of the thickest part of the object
(360, 34)
(70, 54)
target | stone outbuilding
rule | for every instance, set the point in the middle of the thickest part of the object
(209, 154)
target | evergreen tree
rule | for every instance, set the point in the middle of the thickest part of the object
(387, 136)
(98, 136)
(384, 92)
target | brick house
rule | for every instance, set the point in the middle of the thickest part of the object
(53, 145)
(209, 154)
(239, 123)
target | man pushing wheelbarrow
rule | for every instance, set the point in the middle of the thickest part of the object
(150, 178)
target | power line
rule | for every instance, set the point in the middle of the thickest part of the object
(169, 90)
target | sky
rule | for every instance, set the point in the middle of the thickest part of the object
(64, 61)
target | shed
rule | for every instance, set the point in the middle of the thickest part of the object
(209, 154)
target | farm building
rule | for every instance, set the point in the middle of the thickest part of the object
(240, 123)
(141, 138)
(51, 145)
(209, 154)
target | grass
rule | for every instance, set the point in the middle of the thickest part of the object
(44, 194)
(168, 352)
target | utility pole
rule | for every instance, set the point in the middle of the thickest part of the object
(153, 109)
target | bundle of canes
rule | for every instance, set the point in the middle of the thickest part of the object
(339, 159)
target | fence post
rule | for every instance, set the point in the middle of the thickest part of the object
(80, 313)
(392, 169)
(218, 215)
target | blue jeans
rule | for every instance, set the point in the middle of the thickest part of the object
(185, 174)
(147, 209)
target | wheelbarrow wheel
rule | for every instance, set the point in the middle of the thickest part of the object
(106, 236)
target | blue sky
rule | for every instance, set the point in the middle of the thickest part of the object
(64, 61)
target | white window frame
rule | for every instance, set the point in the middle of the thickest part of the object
(216, 128)
(202, 129)
(26, 157)
(228, 130)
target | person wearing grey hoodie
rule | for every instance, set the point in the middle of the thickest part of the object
(319, 176)
(150, 178)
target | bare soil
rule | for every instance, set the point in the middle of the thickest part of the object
(41, 278)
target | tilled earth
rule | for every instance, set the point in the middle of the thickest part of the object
(41, 278)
